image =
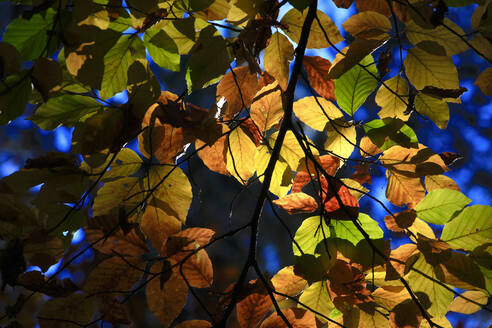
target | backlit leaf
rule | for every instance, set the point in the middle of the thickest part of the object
(238, 87)
(317, 116)
(310, 234)
(433, 182)
(393, 103)
(341, 139)
(353, 87)
(240, 155)
(424, 69)
(282, 174)
(483, 81)
(297, 202)
(470, 229)
(433, 297)
(252, 308)
(116, 63)
(287, 282)
(317, 298)
(317, 70)
(434, 108)
(294, 19)
(448, 43)
(66, 109)
(389, 132)
(440, 205)
(402, 190)
(367, 24)
(278, 54)
(266, 110)
(461, 305)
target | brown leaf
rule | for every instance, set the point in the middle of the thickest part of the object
(349, 207)
(449, 157)
(306, 173)
(400, 221)
(238, 87)
(253, 307)
(443, 93)
(298, 318)
(368, 148)
(405, 315)
(36, 281)
(57, 312)
(297, 202)
(413, 162)
(197, 270)
(194, 324)
(394, 269)
(462, 272)
(343, 3)
(383, 62)
(166, 302)
(347, 285)
(361, 174)
(46, 76)
(317, 69)
(251, 129)
(435, 251)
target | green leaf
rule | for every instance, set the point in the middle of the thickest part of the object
(309, 235)
(126, 163)
(117, 60)
(201, 71)
(433, 297)
(125, 191)
(434, 108)
(354, 86)
(14, 92)
(440, 205)
(292, 23)
(31, 36)
(162, 49)
(389, 132)
(348, 231)
(470, 229)
(317, 297)
(65, 109)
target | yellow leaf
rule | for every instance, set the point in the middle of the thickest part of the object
(484, 81)
(317, 298)
(461, 305)
(291, 151)
(434, 108)
(240, 155)
(446, 42)
(316, 116)
(424, 69)
(294, 19)
(367, 25)
(287, 282)
(278, 54)
(157, 226)
(282, 174)
(393, 104)
(266, 110)
(342, 139)
(433, 182)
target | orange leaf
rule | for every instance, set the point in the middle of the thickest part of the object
(317, 69)
(214, 156)
(253, 307)
(194, 324)
(238, 87)
(166, 302)
(394, 269)
(402, 190)
(298, 202)
(288, 283)
(349, 207)
(347, 285)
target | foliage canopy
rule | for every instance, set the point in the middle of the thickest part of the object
(70, 58)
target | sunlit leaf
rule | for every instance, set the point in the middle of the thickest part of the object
(294, 19)
(470, 229)
(433, 182)
(483, 81)
(297, 202)
(389, 132)
(278, 54)
(440, 205)
(282, 174)
(341, 139)
(461, 305)
(317, 298)
(424, 69)
(353, 87)
(316, 116)
(317, 69)
(393, 98)
(287, 282)
(266, 110)
(367, 25)
(240, 155)
(238, 87)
